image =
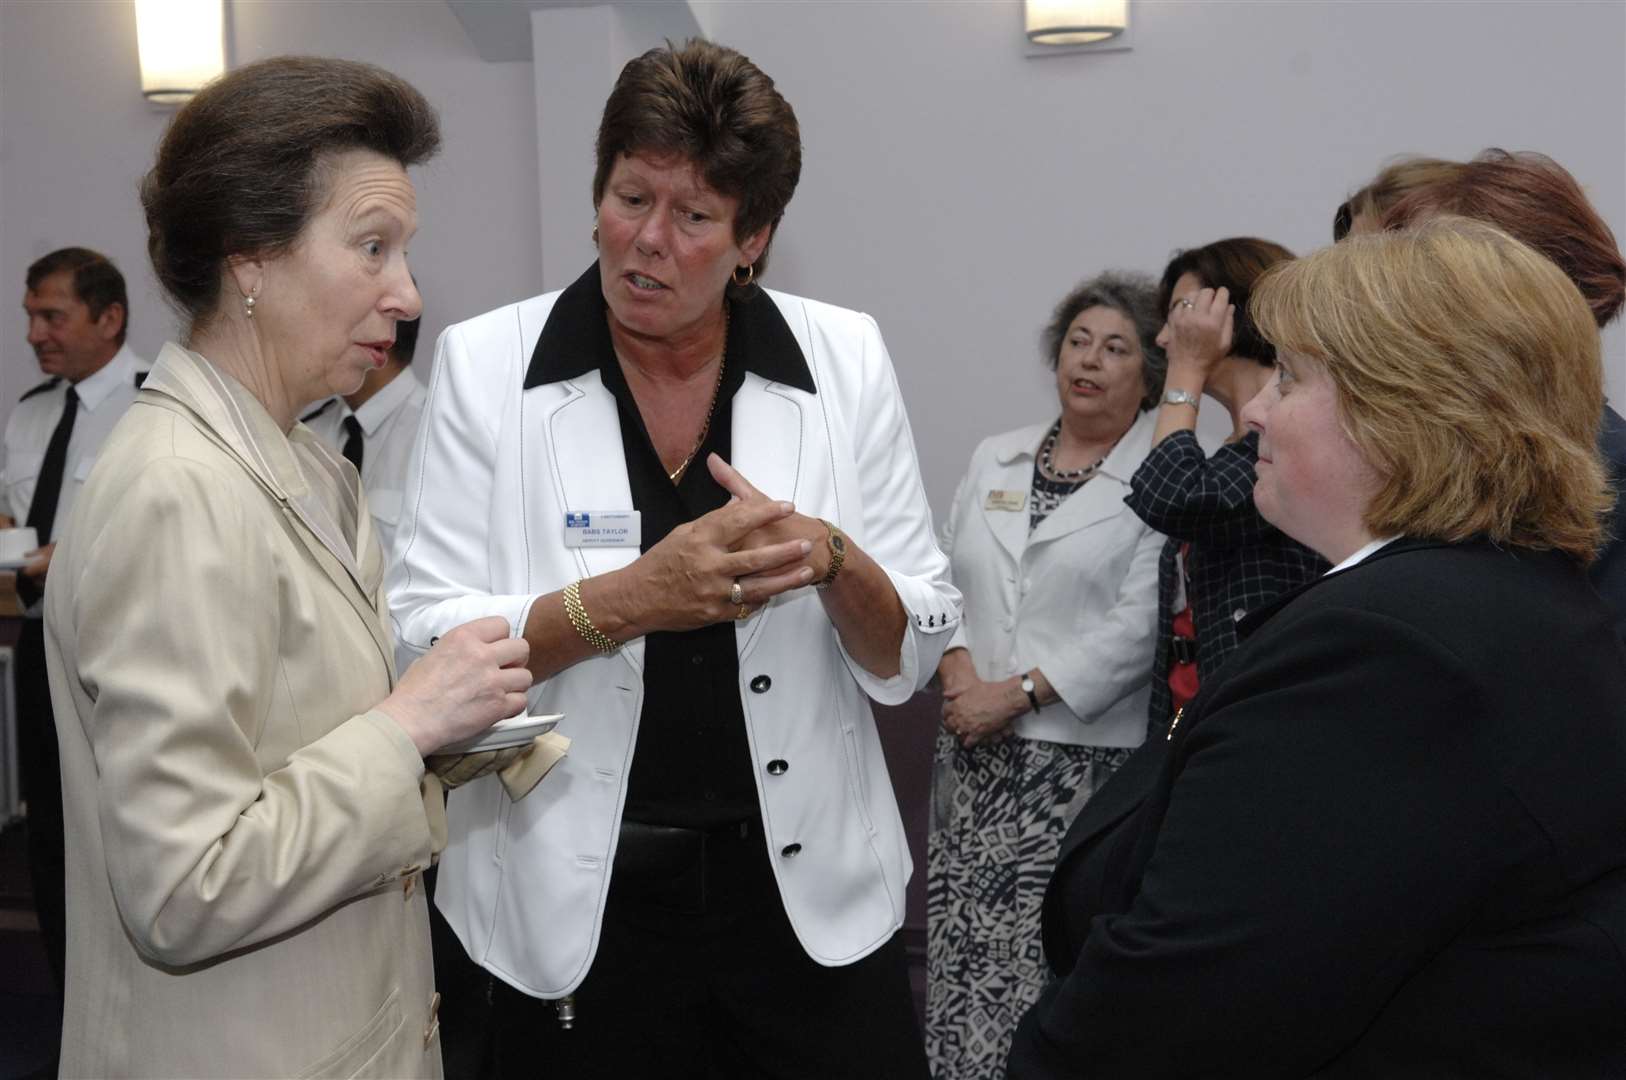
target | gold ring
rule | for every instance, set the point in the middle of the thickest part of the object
(736, 595)
(742, 614)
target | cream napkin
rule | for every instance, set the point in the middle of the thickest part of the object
(520, 768)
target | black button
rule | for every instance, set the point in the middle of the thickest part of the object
(790, 851)
(697, 659)
(777, 767)
(711, 796)
(760, 684)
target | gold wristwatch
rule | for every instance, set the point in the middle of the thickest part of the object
(838, 553)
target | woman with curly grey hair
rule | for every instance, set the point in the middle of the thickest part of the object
(1045, 682)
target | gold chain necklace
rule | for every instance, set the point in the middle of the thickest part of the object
(705, 428)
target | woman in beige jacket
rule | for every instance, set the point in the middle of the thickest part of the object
(241, 768)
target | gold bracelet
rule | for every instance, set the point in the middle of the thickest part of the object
(584, 626)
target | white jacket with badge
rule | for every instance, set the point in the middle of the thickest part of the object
(1075, 598)
(495, 470)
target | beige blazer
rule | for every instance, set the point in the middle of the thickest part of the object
(244, 835)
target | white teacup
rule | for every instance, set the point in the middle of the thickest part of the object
(15, 544)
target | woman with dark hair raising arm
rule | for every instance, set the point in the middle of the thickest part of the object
(1222, 559)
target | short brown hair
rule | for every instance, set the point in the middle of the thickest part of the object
(1467, 373)
(1236, 264)
(715, 108)
(1388, 186)
(1534, 199)
(96, 281)
(239, 169)
(1135, 298)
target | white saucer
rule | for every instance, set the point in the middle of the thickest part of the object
(514, 731)
(15, 564)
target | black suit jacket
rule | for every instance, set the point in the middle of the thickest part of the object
(1388, 839)
(1608, 573)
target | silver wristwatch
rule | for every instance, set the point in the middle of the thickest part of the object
(1180, 397)
(1030, 689)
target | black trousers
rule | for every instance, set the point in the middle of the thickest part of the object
(40, 766)
(699, 975)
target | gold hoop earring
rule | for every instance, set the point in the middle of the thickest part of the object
(750, 275)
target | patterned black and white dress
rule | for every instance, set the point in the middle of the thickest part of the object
(999, 812)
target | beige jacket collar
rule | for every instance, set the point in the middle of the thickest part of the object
(297, 468)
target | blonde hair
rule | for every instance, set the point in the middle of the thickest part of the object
(1468, 374)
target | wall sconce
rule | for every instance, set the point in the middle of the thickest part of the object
(182, 44)
(1072, 23)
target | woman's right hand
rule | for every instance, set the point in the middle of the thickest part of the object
(684, 581)
(470, 678)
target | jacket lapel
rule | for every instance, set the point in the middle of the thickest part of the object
(1102, 497)
(1014, 455)
(767, 437)
(225, 413)
(766, 416)
(582, 432)
(356, 592)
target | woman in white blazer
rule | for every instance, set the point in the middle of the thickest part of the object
(710, 883)
(1046, 679)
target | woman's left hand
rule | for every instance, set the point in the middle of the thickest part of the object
(1201, 329)
(795, 526)
(983, 711)
(862, 603)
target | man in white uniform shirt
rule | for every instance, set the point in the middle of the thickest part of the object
(78, 313)
(374, 428)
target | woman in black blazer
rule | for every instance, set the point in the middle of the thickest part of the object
(1388, 839)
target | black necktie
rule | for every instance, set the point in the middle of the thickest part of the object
(42, 509)
(352, 441)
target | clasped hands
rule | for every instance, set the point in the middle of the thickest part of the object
(762, 545)
(976, 711)
(981, 711)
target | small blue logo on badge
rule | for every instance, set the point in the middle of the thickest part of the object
(576, 521)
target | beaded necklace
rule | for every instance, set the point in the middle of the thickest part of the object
(1054, 473)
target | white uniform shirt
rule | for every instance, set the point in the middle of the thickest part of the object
(103, 397)
(389, 423)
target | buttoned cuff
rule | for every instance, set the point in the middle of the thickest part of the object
(933, 614)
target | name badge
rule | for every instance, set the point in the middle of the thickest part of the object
(603, 528)
(1012, 501)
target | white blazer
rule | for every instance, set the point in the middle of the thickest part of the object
(1076, 599)
(494, 472)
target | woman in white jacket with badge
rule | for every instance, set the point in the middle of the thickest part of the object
(1045, 682)
(699, 502)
